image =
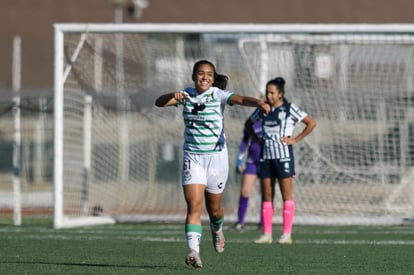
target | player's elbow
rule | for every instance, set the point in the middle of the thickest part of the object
(312, 124)
(161, 101)
(158, 103)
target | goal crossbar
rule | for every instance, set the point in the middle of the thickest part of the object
(227, 28)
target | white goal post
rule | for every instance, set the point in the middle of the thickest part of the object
(117, 157)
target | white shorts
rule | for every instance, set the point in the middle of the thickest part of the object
(209, 169)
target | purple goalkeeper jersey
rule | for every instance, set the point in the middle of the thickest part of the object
(253, 153)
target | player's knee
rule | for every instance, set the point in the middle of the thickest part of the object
(216, 213)
(194, 207)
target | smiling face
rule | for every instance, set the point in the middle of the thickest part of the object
(203, 77)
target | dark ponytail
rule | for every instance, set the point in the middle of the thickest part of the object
(279, 82)
(220, 81)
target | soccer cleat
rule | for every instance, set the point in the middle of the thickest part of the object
(193, 259)
(265, 238)
(285, 239)
(218, 241)
(238, 227)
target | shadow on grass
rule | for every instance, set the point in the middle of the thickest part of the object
(84, 264)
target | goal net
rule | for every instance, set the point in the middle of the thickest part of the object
(118, 157)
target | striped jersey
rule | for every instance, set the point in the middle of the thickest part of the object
(204, 120)
(280, 122)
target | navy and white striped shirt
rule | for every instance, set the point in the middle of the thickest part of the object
(280, 122)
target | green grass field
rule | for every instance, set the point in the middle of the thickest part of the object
(36, 248)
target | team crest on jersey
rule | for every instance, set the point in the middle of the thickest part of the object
(209, 97)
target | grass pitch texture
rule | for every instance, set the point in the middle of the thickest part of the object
(36, 248)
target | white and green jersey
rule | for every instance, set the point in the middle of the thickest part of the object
(204, 120)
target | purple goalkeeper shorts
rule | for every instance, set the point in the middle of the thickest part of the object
(251, 168)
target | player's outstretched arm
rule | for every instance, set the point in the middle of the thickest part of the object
(251, 102)
(170, 99)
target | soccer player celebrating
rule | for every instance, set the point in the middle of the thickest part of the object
(205, 160)
(277, 161)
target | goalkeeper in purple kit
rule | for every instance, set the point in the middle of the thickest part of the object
(248, 162)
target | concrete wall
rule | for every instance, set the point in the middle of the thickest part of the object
(33, 21)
